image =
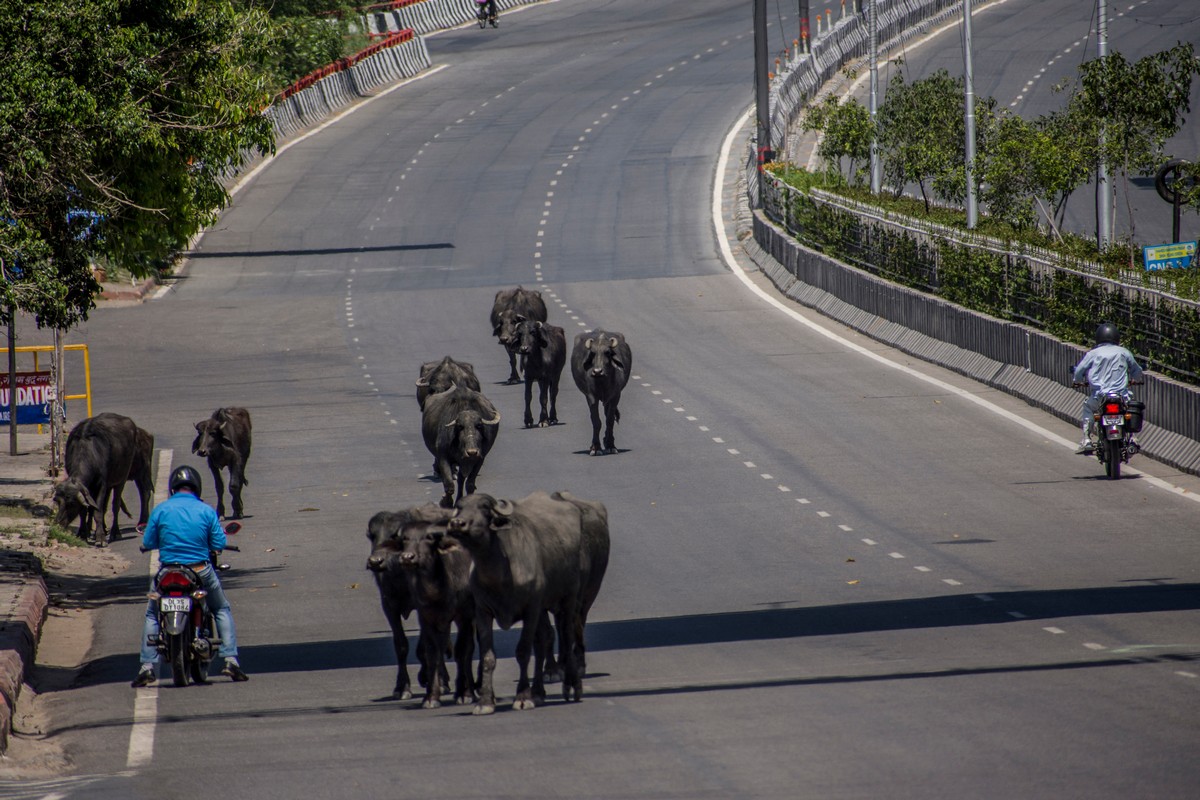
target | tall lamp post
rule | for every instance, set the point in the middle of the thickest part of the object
(762, 84)
(969, 102)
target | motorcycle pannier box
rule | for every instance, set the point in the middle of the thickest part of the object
(1137, 412)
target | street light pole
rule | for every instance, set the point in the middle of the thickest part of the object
(969, 81)
(876, 166)
(762, 83)
(1103, 206)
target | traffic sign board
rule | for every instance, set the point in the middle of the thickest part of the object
(1178, 255)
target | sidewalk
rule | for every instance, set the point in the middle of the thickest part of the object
(24, 489)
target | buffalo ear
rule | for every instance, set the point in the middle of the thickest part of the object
(200, 426)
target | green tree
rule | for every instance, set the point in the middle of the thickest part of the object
(921, 131)
(1140, 106)
(846, 134)
(131, 111)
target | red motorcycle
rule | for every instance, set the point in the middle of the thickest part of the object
(187, 637)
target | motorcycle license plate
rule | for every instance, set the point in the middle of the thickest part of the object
(1117, 420)
(175, 603)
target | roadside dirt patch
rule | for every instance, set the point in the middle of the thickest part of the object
(65, 641)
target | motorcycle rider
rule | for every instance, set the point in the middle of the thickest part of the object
(490, 7)
(1107, 368)
(185, 530)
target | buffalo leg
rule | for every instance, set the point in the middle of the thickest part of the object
(236, 480)
(610, 416)
(117, 504)
(529, 401)
(552, 419)
(543, 390)
(446, 473)
(551, 671)
(513, 375)
(403, 689)
(572, 680)
(433, 660)
(487, 664)
(219, 483)
(464, 650)
(594, 411)
(528, 696)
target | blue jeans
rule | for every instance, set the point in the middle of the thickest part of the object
(217, 604)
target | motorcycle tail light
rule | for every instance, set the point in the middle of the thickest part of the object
(1112, 408)
(174, 583)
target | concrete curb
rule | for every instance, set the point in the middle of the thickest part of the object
(20, 629)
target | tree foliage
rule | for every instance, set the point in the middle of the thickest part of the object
(130, 111)
(1139, 104)
(847, 133)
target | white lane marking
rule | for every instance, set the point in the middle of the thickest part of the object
(951, 582)
(145, 703)
(1094, 646)
(846, 528)
(923, 569)
(816, 327)
(896, 555)
(871, 542)
(1052, 629)
(1017, 615)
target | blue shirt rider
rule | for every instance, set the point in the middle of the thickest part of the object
(1107, 368)
(185, 530)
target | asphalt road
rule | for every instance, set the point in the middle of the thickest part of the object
(835, 572)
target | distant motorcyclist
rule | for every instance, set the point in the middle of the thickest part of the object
(488, 7)
(1107, 368)
(186, 530)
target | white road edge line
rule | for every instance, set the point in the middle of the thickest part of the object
(731, 262)
(145, 704)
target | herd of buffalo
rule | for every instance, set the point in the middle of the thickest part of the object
(464, 564)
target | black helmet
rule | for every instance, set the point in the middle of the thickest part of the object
(1107, 333)
(184, 476)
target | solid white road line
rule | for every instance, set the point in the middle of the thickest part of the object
(145, 704)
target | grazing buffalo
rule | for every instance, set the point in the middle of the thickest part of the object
(600, 364)
(543, 351)
(395, 583)
(509, 308)
(440, 582)
(100, 456)
(438, 376)
(224, 439)
(459, 426)
(526, 560)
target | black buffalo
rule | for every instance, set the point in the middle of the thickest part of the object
(141, 472)
(600, 364)
(543, 351)
(459, 426)
(100, 455)
(440, 573)
(526, 561)
(438, 376)
(509, 308)
(395, 582)
(224, 439)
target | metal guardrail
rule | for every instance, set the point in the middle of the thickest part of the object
(87, 368)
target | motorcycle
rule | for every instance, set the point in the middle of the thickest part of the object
(1113, 427)
(187, 637)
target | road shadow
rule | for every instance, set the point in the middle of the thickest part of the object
(318, 251)
(738, 626)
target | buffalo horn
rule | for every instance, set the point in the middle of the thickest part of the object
(504, 508)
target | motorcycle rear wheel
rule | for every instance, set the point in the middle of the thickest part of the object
(178, 661)
(1112, 464)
